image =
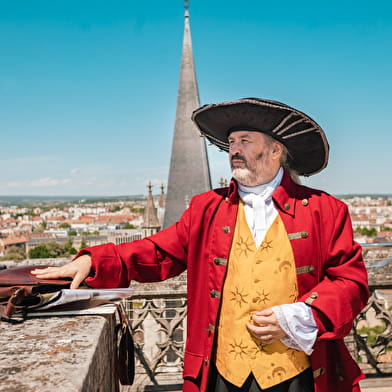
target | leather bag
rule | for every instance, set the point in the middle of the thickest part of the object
(21, 292)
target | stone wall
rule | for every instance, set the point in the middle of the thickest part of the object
(68, 353)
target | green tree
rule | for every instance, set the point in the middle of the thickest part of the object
(69, 248)
(64, 225)
(39, 252)
(14, 253)
(129, 226)
(40, 228)
(365, 231)
(55, 249)
(83, 244)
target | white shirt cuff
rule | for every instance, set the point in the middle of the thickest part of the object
(297, 321)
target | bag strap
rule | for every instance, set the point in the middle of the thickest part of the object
(124, 361)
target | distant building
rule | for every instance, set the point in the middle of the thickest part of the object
(150, 223)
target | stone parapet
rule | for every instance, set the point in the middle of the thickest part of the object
(69, 353)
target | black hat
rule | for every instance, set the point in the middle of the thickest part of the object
(303, 137)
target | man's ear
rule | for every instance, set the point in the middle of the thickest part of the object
(277, 149)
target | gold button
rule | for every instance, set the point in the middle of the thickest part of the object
(286, 206)
(305, 202)
(226, 229)
(314, 295)
(304, 234)
(220, 261)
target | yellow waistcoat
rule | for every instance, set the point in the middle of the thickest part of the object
(256, 279)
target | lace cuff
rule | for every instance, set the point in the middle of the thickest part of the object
(297, 321)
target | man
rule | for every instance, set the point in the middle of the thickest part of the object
(274, 276)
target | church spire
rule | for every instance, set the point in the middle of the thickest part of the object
(189, 172)
(150, 223)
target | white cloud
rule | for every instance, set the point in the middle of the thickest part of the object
(27, 160)
(75, 171)
(14, 184)
(41, 182)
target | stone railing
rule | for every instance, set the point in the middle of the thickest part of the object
(158, 316)
(371, 340)
(157, 313)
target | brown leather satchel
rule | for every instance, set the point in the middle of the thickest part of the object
(21, 292)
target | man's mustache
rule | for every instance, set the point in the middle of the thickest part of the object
(238, 157)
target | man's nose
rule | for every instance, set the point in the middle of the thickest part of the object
(235, 148)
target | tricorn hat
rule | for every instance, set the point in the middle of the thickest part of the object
(304, 139)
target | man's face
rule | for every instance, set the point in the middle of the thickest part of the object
(254, 157)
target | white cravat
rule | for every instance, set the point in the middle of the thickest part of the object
(295, 319)
(259, 208)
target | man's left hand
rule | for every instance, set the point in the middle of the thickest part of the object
(265, 326)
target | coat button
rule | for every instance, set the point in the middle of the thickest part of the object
(220, 261)
(286, 206)
(215, 294)
(304, 234)
(305, 202)
(226, 229)
(311, 298)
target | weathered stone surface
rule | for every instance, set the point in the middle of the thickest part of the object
(69, 354)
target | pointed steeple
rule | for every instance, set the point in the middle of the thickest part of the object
(189, 172)
(162, 198)
(150, 223)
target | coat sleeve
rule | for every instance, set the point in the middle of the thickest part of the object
(155, 258)
(343, 291)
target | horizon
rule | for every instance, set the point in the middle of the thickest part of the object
(88, 89)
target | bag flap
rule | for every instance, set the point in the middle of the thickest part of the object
(22, 276)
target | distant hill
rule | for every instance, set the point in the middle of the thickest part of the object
(372, 195)
(18, 200)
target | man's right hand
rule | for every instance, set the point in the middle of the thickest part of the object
(78, 270)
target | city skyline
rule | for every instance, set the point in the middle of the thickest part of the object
(88, 91)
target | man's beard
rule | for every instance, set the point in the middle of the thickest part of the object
(244, 175)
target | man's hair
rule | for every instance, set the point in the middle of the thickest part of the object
(285, 159)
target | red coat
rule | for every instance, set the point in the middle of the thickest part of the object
(331, 275)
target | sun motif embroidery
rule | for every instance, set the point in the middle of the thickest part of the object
(238, 349)
(265, 246)
(263, 297)
(243, 247)
(256, 350)
(238, 297)
(293, 292)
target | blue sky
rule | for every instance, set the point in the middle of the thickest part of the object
(88, 88)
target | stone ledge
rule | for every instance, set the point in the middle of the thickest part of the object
(67, 354)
